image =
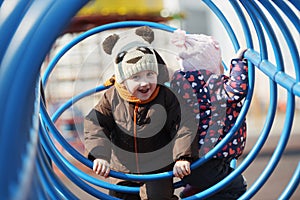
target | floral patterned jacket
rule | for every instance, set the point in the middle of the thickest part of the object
(216, 101)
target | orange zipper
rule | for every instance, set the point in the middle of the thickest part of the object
(135, 137)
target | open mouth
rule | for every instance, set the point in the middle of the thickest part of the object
(145, 90)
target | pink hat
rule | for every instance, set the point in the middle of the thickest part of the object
(198, 51)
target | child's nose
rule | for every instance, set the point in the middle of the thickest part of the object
(144, 82)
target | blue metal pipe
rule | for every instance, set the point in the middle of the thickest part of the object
(259, 31)
(24, 30)
(225, 23)
(292, 186)
(287, 36)
(10, 17)
(270, 33)
(51, 193)
(268, 170)
(289, 13)
(84, 176)
(232, 176)
(19, 126)
(75, 99)
(93, 31)
(51, 178)
(62, 166)
(295, 3)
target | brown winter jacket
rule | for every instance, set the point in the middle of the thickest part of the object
(163, 134)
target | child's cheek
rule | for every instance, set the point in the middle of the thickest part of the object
(131, 86)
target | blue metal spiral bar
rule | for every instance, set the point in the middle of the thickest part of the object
(258, 29)
(225, 23)
(93, 31)
(287, 36)
(258, 13)
(62, 52)
(67, 171)
(52, 181)
(289, 12)
(58, 136)
(70, 166)
(72, 150)
(296, 4)
(277, 153)
(52, 193)
(217, 148)
(292, 186)
(8, 23)
(280, 147)
(23, 48)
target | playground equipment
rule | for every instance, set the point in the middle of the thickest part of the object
(29, 28)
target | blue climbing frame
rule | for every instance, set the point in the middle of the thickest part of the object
(28, 30)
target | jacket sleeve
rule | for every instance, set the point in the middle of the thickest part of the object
(186, 138)
(97, 129)
(236, 85)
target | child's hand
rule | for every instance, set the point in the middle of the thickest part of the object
(101, 167)
(181, 168)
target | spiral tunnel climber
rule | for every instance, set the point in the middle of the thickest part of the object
(27, 150)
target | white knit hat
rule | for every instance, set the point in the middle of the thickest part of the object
(134, 60)
(198, 51)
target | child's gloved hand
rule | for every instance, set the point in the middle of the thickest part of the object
(101, 167)
(181, 168)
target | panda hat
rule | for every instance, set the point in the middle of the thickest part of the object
(133, 53)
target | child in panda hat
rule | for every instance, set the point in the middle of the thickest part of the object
(138, 126)
(216, 100)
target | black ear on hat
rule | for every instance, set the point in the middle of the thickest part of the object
(109, 43)
(163, 73)
(146, 33)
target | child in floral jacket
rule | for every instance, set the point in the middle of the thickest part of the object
(217, 101)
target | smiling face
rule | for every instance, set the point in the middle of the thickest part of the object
(142, 84)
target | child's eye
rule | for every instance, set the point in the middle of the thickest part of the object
(135, 77)
(151, 74)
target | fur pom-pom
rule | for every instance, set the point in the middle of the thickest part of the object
(183, 40)
(179, 38)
